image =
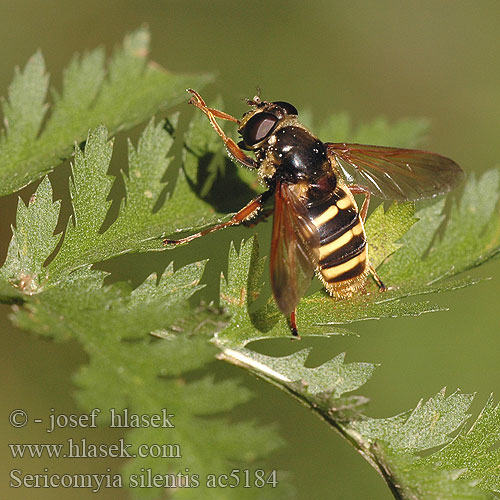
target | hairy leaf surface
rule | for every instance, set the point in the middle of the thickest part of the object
(126, 92)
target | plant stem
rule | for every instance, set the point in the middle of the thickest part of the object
(368, 450)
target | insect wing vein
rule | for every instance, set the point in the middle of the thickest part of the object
(395, 173)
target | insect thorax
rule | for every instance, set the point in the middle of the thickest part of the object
(292, 154)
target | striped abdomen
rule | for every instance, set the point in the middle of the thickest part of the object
(343, 251)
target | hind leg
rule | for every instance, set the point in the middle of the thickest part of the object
(376, 277)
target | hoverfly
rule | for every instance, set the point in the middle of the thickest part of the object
(317, 226)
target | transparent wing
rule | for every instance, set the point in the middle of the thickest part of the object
(394, 173)
(294, 248)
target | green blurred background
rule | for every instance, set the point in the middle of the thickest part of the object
(433, 59)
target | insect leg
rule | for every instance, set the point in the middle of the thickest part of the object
(222, 115)
(246, 213)
(355, 189)
(292, 323)
(231, 146)
(377, 279)
(199, 102)
(258, 218)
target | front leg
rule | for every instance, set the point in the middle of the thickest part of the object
(211, 113)
(246, 213)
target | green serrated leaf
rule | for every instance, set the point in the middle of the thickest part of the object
(127, 93)
(33, 240)
(139, 225)
(384, 228)
(129, 369)
(171, 287)
(471, 235)
(333, 377)
(427, 426)
(89, 188)
(235, 298)
(412, 483)
(467, 467)
(22, 122)
(140, 222)
(469, 460)
(474, 450)
(321, 309)
(234, 292)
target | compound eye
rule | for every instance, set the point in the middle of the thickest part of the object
(289, 108)
(259, 127)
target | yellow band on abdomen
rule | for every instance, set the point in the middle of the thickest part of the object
(326, 216)
(329, 248)
(331, 273)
